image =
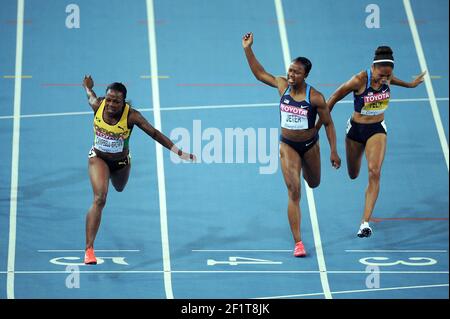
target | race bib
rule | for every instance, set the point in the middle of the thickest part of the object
(107, 145)
(375, 104)
(293, 118)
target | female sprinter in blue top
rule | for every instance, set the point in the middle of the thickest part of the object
(366, 129)
(299, 148)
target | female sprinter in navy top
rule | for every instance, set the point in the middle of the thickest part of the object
(299, 147)
(366, 129)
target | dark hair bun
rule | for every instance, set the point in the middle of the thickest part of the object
(383, 52)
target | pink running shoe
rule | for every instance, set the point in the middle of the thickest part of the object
(89, 257)
(299, 250)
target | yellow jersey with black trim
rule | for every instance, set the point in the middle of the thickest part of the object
(111, 138)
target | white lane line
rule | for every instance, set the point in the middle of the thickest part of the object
(159, 150)
(435, 272)
(283, 33)
(15, 153)
(292, 296)
(309, 191)
(428, 85)
(215, 107)
(5, 117)
(243, 250)
(355, 291)
(388, 272)
(82, 250)
(201, 107)
(393, 251)
(347, 250)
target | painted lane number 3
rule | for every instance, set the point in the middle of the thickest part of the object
(384, 261)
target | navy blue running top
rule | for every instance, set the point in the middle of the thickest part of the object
(372, 102)
(297, 115)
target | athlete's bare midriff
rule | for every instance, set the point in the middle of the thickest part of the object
(112, 156)
(298, 135)
(367, 119)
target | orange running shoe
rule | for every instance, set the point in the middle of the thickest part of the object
(89, 257)
(299, 250)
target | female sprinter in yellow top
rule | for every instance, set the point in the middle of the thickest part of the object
(109, 157)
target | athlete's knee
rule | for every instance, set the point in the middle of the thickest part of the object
(353, 175)
(119, 188)
(313, 179)
(119, 185)
(100, 199)
(294, 191)
(313, 183)
(374, 172)
(294, 195)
